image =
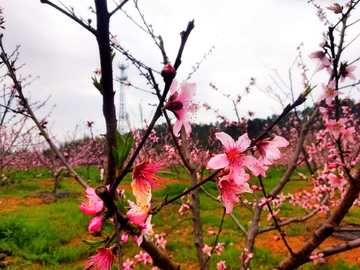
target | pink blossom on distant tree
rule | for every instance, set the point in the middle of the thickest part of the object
(128, 264)
(219, 248)
(221, 265)
(317, 258)
(140, 257)
(160, 241)
(336, 182)
(347, 136)
(207, 249)
(335, 127)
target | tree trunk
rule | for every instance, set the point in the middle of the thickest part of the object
(102, 36)
(302, 255)
(250, 237)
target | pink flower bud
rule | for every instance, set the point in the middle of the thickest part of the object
(211, 232)
(168, 72)
(95, 226)
(254, 187)
(276, 238)
(282, 219)
(332, 165)
(125, 237)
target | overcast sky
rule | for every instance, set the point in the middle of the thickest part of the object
(251, 39)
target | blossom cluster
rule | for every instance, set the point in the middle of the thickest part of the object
(236, 159)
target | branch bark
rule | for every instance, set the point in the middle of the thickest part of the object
(160, 259)
(302, 255)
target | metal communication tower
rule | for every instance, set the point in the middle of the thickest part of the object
(123, 116)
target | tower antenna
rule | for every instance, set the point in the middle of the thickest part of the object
(123, 116)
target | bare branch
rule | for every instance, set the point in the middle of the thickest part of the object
(118, 7)
(296, 220)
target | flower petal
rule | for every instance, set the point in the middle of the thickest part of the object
(218, 162)
(226, 140)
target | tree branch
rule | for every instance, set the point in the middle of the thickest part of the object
(71, 16)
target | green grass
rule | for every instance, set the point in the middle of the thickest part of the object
(37, 241)
(41, 236)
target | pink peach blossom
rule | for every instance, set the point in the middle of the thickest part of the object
(346, 72)
(321, 56)
(207, 249)
(128, 264)
(101, 261)
(317, 258)
(335, 127)
(180, 103)
(329, 92)
(93, 204)
(95, 225)
(144, 175)
(146, 231)
(234, 157)
(229, 191)
(347, 136)
(268, 149)
(221, 265)
(336, 182)
(336, 8)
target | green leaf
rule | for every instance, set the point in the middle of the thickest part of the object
(112, 54)
(117, 158)
(307, 91)
(120, 141)
(98, 84)
(129, 142)
(121, 205)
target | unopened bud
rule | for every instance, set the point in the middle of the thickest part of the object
(168, 72)
(276, 238)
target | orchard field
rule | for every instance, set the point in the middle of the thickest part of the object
(41, 231)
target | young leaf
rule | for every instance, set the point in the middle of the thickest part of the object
(97, 84)
(120, 142)
(129, 142)
(117, 158)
